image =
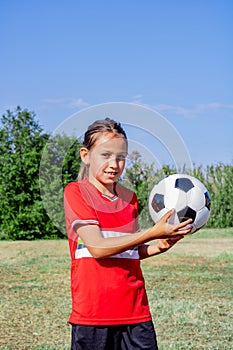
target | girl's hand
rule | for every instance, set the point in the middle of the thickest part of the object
(161, 246)
(165, 244)
(164, 229)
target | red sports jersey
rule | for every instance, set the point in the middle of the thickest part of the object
(109, 291)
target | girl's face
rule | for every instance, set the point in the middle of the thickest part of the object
(106, 160)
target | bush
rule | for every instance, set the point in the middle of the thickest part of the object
(22, 212)
(219, 182)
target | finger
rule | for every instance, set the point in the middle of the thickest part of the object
(166, 216)
(175, 239)
(185, 230)
(184, 223)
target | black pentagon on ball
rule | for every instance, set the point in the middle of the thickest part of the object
(158, 202)
(186, 213)
(207, 200)
(184, 184)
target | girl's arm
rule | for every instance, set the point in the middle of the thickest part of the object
(101, 247)
(163, 245)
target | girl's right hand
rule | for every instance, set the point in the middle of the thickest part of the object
(163, 229)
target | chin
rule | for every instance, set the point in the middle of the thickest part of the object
(106, 182)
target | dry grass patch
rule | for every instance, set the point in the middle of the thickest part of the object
(190, 291)
(35, 294)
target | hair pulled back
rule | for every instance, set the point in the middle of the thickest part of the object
(101, 126)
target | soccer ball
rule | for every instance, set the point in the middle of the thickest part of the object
(186, 194)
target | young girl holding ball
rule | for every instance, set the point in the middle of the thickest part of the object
(109, 303)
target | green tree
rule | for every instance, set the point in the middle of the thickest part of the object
(22, 215)
(59, 165)
(141, 177)
(219, 182)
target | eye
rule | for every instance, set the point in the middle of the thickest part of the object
(106, 155)
(121, 157)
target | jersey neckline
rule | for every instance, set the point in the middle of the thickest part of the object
(110, 198)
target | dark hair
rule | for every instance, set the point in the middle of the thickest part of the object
(106, 125)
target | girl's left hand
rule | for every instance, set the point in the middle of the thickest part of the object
(161, 246)
(165, 244)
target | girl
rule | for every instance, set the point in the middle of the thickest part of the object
(109, 303)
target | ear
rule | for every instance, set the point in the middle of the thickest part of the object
(84, 154)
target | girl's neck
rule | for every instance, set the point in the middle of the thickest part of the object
(106, 190)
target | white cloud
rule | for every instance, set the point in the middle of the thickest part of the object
(195, 110)
(192, 112)
(214, 106)
(68, 102)
(78, 103)
(137, 99)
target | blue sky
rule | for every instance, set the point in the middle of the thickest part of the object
(58, 57)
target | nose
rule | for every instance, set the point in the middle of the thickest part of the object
(113, 162)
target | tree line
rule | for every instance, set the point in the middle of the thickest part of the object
(35, 166)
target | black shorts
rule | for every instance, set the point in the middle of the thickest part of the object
(140, 336)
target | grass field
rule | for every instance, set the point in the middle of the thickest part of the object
(190, 291)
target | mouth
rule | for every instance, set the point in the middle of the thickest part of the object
(111, 173)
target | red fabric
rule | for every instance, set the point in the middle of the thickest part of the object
(108, 291)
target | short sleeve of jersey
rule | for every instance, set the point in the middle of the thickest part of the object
(78, 208)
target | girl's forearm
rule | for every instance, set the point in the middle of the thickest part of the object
(101, 247)
(148, 250)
